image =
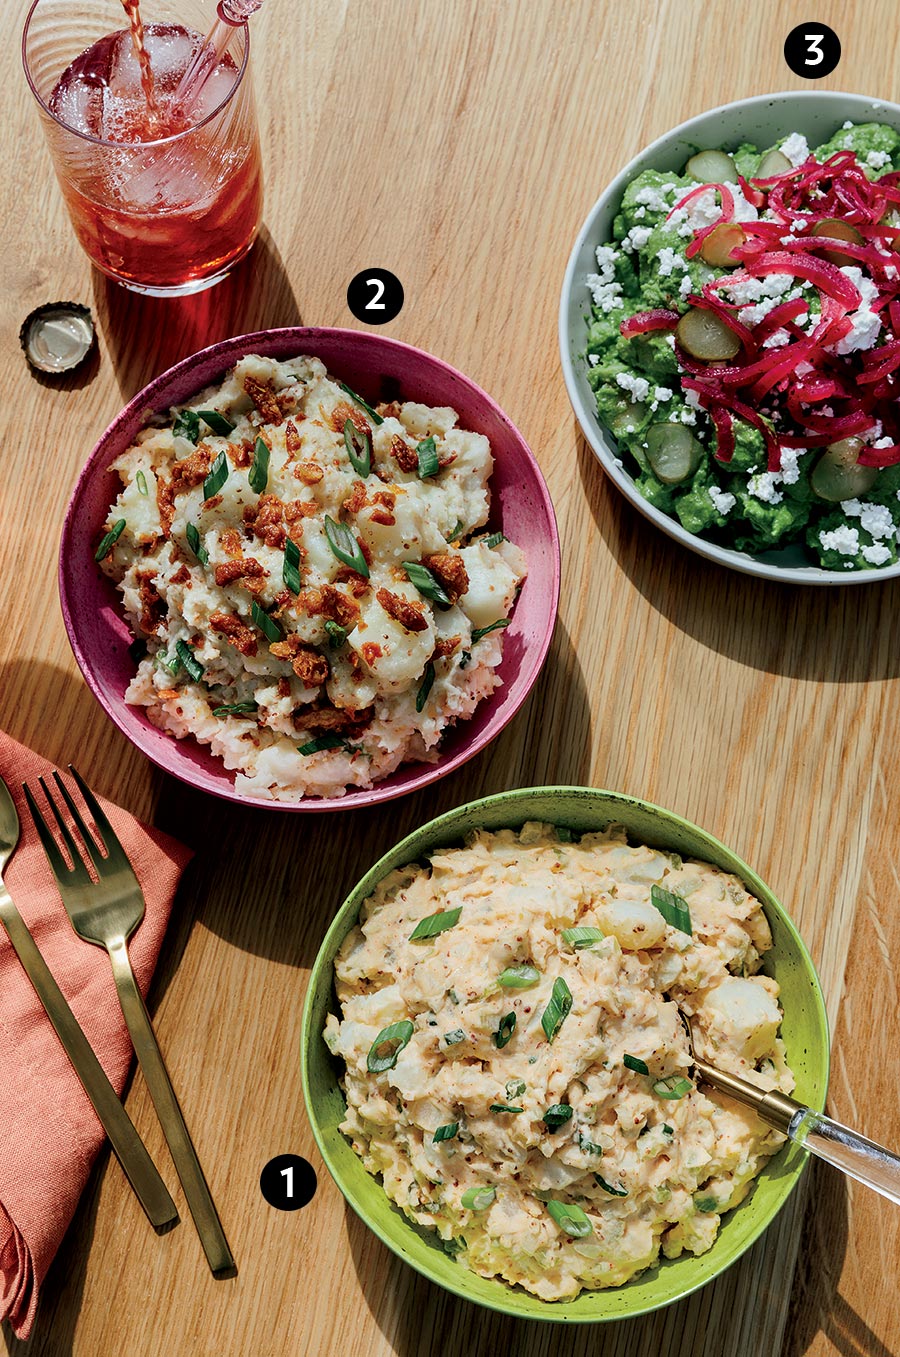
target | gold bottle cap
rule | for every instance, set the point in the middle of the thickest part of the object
(57, 337)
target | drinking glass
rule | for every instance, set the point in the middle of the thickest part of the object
(164, 214)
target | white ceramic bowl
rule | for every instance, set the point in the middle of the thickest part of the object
(762, 120)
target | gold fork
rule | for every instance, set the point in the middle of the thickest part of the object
(106, 912)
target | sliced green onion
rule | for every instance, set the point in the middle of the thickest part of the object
(137, 651)
(345, 546)
(478, 1198)
(187, 425)
(672, 1088)
(259, 469)
(465, 659)
(564, 834)
(447, 1132)
(172, 665)
(558, 1009)
(458, 531)
(217, 422)
(556, 1116)
(505, 1107)
(570, 1217)
(582, 937)
(588, 1145)
(455, 1037)
(267, 625)
(618, 1191)
(515, 1088)
(433, 924)
(495, 539)
(518, 977)
(426, 451)
(708, 1205)
(387, 1046)
(336, 634)
(479, 632)
(426, 686)
(290, 572)
(633, 1062)
(189, 660)
(673, 909)
(236, 709)
(327, 741)
(110, 540)
(195, 544)
(426, 583)
(668, 1130)
(504, 1032)
(142, 483)
(218, 475)
(376, 418)
(359, 449)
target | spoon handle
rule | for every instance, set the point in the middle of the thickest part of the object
(848, 1151)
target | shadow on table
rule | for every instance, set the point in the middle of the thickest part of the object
(835, 635)
(270, 882)
(146, 335)
(817, 1306)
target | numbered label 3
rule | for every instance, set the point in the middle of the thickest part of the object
(375, 296)
(812, 50)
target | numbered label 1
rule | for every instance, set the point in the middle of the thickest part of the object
(812, 50)
(375, 296)
(288, 1182)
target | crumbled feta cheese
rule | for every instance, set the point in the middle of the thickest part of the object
(862, 282)
(876, 554)
(790, 465)
(670, 340)
(845, 127)
(874, 432)
(605, 291)
(640, 213)
(842, 539)
(686, 286)
(593, 359)
(637, 387)
(864, 331)
(745, 290)
(776, 340)
(874, 518)
(877, 159)
(637, 238)
(762, 487)
(662, 393)
(668, 260)
(692, 398)
(705, 209)
(795, 148)
(655, 198)
(722, 500)
(688, 416)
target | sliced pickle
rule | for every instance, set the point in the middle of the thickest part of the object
(627, 420)
(835, 229)
(673, 452)
(837, 475)
(712, 167)
(773, 162)
(718, 245)
(704, 335)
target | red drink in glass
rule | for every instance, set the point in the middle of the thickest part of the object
(164, 198)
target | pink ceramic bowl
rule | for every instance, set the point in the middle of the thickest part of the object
(377, 368)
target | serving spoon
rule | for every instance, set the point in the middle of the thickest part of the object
(847, 1150)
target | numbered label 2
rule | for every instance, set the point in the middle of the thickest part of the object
(375, 296)
(288, 1182)
(812, 50)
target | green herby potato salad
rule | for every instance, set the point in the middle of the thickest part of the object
(744, 345)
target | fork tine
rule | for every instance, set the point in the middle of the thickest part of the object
(104, 828)
(96, 856)
(58, 865)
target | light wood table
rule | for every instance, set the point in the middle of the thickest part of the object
(460, 145)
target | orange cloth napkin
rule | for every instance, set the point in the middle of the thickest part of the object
(49, 1132)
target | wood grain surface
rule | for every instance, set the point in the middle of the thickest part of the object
(461, 144)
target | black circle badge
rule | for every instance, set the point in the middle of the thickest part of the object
(375, 296)
(288, 1182)
(812, 50)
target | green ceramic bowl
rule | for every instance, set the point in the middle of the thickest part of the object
(805, 1032)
